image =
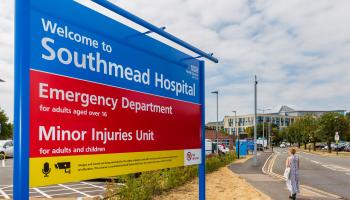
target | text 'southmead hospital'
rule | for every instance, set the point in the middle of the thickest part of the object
(94, 62)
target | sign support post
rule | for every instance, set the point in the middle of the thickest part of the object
(336, 138)
(201, 169)
(21, 112)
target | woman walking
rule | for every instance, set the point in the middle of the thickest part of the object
(292, 163)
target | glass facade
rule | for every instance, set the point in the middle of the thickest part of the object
(244, 122)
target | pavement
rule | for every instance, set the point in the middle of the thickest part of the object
(266, 176)
(76, 190)
(254, 175)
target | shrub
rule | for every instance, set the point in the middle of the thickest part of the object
(149, 184)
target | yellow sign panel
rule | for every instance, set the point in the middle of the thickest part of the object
(61, 169)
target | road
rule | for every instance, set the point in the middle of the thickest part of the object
(254, 175)
(267, 177)
(326, 173)
(68, 190)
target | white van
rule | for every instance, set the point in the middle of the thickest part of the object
(208, 147)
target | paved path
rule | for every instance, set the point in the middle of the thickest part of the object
(68, 190)
(254, 175)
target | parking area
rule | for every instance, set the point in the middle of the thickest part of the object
(68, 190)
(71, 190)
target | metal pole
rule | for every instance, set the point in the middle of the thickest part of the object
(217, 122)
(255, 112)
(239, 143)
(263, 130)
(263, 110)
(21, 99)
(337, 148)
(151, 27)
(217, 119)
(270, 137)
(237, 134)
(201, 170)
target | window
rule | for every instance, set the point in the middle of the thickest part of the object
(8, 144)
(226, 142)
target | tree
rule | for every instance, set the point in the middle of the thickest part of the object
(311, 129)
(6, 127)
(250, 131)
(278, 137)
(295, 132)
(333, 122)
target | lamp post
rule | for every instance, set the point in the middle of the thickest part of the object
(217, 119)
(270, 136)
(237, 134)
(263, 110)
(255, 163)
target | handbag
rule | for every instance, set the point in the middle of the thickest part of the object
(286, 173)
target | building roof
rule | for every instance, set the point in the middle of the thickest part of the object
(210, 134)
(286, 109)
(221, 123)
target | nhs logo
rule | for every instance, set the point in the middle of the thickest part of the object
(193, 70)
(192, 156)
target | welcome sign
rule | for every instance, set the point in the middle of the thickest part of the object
(105, 99)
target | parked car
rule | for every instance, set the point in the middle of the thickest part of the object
(320, 145)
(347, 147)
(341, 146)
(6, 149)
(283, 145)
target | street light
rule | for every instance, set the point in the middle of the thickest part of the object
(255, 159)
(263, 110)
(237, 134)
(217, 119)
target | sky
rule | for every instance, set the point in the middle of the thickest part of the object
(299, 50)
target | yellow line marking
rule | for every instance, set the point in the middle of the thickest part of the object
(312, 189)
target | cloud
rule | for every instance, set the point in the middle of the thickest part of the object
(297, 48)
(7, 56)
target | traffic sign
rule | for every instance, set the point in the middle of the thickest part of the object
(336, 137)
(100, 99)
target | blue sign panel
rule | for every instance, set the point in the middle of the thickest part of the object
(96, 98)
(67, 42)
